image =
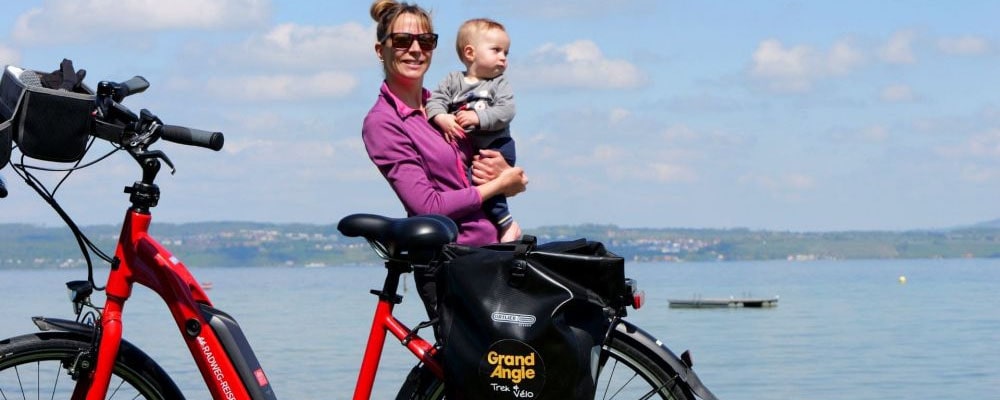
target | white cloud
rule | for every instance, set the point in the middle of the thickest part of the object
(283, 87)
(793, 181)
(620, 115)
(897, 93)
(786, 69)
(61, 21)
(563, 9)
(899, 48)
(795, 68)
(664, 172)
(964, 45)
(267, 151)
(979, 174)
(659, 172)
(799, 181)
(319, 160)
(978, 156)
(580, 64)
(984, 145)
(606, 153)
(9, 56)
(304, 46)
(877, 133)
(843, 58)
(679, 133)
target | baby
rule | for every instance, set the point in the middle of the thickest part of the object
(480, 102)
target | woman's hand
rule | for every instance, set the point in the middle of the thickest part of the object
(512, 181)
(493, 176)
(487, 165)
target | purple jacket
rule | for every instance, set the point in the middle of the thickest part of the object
(426, 172)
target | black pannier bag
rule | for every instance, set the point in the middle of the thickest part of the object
(49, 124)
(525, 321)
(5, 141)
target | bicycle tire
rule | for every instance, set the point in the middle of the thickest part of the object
(631, 372)
(37, 365)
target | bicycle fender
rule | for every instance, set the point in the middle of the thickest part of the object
(647, 341)
(59, 324)
(66, 325)
(73, 328)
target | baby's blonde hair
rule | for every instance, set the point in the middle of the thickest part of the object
(470, 30)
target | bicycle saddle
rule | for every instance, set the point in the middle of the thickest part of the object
(401, 235)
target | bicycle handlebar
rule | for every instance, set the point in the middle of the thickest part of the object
(116, 118)
(192, 137)
(132, 86)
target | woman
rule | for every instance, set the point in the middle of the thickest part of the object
(426, 171)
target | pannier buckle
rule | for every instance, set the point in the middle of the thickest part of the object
(518, 271)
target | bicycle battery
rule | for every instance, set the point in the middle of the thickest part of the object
(238, 348)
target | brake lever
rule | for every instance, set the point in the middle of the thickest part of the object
(156, 155)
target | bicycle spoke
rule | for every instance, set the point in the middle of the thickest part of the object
(17, 373)
(114, 392)
(663, 386)
(612, 373)
(55, 384)
(611, 377)
(622, 387)
(655, 391)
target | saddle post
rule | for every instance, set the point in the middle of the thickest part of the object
(388, 298)
(394, 269)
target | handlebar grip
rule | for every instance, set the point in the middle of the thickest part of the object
(135, 85)
(3, 188)
(192, 137)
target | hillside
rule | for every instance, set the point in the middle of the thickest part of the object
(994, 224)
(226, 244)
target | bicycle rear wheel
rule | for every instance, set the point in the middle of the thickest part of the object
(38, 365)
(631, 372)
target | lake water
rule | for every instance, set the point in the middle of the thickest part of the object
(842, 330)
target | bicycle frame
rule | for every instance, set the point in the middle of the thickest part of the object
(384, 322)
(143, 260)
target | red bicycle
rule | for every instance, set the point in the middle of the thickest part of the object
(87, 357)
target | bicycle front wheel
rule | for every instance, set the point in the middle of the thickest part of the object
(38, 366)
(631, 372)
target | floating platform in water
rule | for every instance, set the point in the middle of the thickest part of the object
(731, 302)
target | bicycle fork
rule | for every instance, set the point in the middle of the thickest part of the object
(96, 387)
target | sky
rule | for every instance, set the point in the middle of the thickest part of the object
(777, 115)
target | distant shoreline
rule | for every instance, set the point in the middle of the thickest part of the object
(232, 244)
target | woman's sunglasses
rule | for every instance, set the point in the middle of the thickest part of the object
(403, 41)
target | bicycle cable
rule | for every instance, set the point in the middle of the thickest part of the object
(87, 247)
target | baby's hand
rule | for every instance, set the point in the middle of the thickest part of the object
(449, 127)
(467, 118)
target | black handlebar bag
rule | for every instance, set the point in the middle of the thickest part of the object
(524, 321)
(50, 124)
